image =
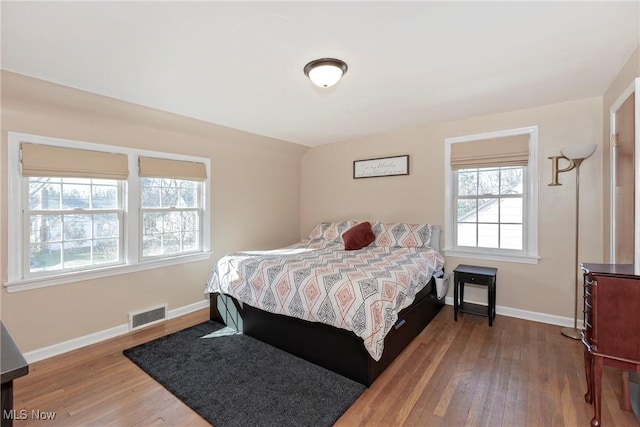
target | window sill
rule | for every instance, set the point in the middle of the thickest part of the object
(61, 279)
(523, 259)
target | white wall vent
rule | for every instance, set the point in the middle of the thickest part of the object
(147, 317)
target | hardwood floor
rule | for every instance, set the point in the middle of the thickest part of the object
(517, 373)
(98, 386)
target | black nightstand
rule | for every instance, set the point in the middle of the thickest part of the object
(483, 276)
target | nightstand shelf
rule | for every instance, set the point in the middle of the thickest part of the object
(469, 307)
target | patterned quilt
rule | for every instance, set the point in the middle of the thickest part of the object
(361, 291)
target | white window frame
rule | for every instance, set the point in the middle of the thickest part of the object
(18, 281)
(529, 254)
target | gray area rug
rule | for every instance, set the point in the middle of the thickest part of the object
(232, 379)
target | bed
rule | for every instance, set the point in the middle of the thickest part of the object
(350, 297)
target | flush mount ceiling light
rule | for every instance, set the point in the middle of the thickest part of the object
(325, 72)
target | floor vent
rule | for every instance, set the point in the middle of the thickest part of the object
(147, 317)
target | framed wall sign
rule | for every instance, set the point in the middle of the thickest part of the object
(382, 166)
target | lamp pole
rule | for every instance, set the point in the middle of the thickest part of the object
(576, 153)
(574, 332)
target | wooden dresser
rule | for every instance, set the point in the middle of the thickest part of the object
(612, 324)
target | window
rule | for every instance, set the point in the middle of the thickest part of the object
(80, 211)
(170, 201)
(72, 223)
(491, 209)
(170, 216)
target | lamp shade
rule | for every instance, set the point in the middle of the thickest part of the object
(579, 151)
(325, 72)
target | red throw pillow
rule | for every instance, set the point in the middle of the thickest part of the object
(358, 236)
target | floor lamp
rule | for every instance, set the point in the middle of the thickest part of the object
(577, 153)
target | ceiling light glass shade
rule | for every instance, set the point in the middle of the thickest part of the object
(325, 72)
(579, 151)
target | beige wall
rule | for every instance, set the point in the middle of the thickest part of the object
(625, 78)
(330, 193)
(255, 204)
(296, 188)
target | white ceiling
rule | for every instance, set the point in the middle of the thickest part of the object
(239, 64)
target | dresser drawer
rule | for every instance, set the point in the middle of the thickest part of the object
(589, 333)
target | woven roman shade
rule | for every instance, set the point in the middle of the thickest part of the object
(152, 167)
(54, 161)
(510, 150)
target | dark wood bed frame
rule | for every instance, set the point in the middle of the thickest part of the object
(338, 350)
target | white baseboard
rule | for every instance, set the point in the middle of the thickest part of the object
(527, 315)
(181, 311)
(75, 343)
